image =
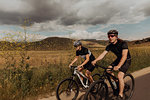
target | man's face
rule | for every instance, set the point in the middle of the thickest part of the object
(112, 38)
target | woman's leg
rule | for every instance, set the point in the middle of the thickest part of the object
(88, 75)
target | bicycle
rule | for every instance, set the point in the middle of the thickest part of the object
(98, 90)
(70, 87)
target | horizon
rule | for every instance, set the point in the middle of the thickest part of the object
(37, 40)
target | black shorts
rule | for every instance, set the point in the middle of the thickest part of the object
(89, 66)
(124, 67)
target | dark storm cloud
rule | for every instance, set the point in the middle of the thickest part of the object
(44, 10)
(147, 10)
(70, 19)
(10, 18)
(70, 12)
(49, 10)
(41, 12)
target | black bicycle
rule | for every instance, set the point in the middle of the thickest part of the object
(99, 89)
(69, 87)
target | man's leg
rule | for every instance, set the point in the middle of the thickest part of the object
(88, 75)
(121, 83)
(110, 71)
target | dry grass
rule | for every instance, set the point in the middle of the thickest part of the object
(44, 58)
(41, 58)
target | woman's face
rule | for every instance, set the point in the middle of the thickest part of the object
(78, 47)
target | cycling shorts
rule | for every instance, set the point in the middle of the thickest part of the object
(89, 66)
(124, 67)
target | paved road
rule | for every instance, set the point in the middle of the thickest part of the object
(142, 88)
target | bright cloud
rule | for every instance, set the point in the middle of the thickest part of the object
(86, 35)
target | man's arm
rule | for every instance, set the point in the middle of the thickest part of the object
(101, 56)
(123, 59)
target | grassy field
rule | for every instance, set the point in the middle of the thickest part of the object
(45, 69)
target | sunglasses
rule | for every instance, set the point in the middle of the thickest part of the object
(111, 36)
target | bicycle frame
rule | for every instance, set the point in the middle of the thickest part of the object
(79, 74)
(108, 76)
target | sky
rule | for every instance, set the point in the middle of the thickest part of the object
(77, 19)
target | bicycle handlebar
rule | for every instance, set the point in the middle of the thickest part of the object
(73, 66)
(111, 69)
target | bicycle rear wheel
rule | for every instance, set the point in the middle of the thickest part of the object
(129, 86)
(67, 89)
(97, 91)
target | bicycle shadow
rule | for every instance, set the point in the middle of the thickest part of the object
(110, 96)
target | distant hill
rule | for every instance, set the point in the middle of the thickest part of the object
(91, 44)
(57, 43)
(51, 43)
(143, 42)
(101, 42)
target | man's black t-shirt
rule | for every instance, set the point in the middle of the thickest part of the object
(117, 48)
(83, 52)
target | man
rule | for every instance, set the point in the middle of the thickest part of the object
(123, 61)
(88, 56)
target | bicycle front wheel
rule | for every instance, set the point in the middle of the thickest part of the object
(129, 86)
(97, 91)
(67, 89)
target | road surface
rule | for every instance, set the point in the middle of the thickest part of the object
(142, 88)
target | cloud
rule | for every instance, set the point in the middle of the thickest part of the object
(56, 15)
(87, 35)
(55, 26)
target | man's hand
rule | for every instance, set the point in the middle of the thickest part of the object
(94, 62)
(116, 68)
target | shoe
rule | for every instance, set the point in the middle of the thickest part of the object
(120, 98)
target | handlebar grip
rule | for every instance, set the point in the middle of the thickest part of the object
(73, 66)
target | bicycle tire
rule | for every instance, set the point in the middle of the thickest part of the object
(98, 88)
(69, 88)
(129, 86)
